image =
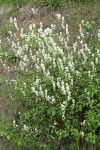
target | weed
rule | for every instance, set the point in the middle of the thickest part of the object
(49, 3)
(58, 85)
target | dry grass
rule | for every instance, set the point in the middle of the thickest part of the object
(73, 14)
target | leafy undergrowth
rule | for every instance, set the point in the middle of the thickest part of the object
(55, 83)
(49, 3)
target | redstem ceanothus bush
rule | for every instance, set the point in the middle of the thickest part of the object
(58, 85)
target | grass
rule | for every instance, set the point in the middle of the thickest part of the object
(49, 3)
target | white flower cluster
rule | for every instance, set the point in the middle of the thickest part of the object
(63, 109)
(25, 127)
(52, 57)
(99, 34)
(14, 124)
(14, 22)
(38, 90)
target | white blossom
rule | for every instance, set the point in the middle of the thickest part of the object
(58, 16)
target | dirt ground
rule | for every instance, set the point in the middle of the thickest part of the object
(4, 145)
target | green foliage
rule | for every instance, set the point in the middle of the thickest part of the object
(13, 58)
(58, 89)
(49, 3)
(16, 2)
(5, 130)
(52, 3)
(1, 53)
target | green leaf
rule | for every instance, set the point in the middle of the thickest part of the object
(8, 137)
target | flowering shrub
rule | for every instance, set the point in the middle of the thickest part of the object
(57, 86)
